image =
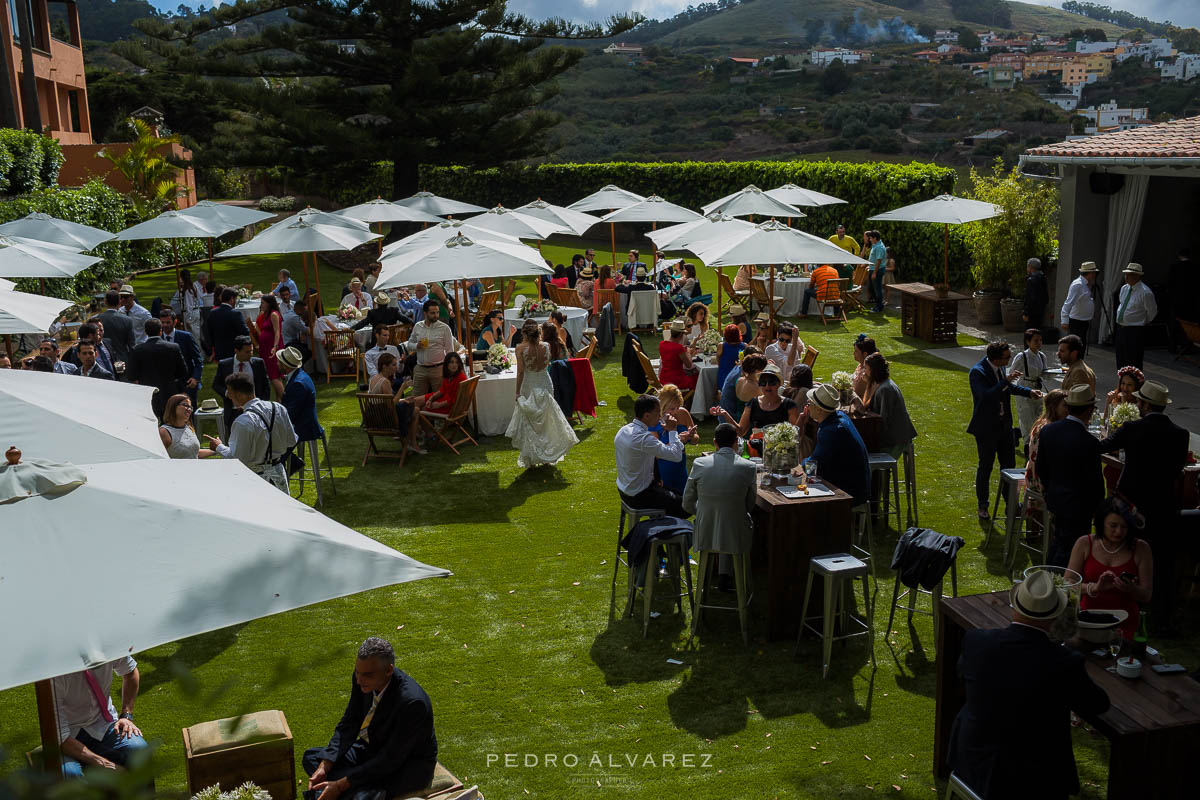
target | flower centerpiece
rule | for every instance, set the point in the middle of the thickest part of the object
(1122, 413)
(498, 359)
(708, 341)
(347, 313)
(781, 447)
(844, 383)
(242, 292)
(537, 308)
(792, 269)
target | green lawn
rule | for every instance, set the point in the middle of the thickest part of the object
(517, 649)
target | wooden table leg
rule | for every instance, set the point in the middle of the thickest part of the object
(950, 694)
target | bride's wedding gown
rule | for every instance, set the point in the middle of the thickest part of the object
(538, 428)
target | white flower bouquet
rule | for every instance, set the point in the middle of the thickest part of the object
(537, 308)
(708, 341)
(1122, 413)
(792, 269)
(781, 438)
(498, 357)
(842, 381)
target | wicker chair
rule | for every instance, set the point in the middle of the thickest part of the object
(340, 348)
(379, 418)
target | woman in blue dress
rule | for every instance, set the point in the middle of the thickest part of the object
(728, 352)
(674, 474)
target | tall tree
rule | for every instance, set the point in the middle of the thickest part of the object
(343, 83)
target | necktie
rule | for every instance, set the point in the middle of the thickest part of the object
(241, 367)
(366, 723)
(1124, 304)
(101, 699)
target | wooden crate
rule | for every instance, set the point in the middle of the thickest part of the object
(244, 755)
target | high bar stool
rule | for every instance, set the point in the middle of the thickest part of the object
(1011, 480)
(312, 466)
(913, 595)
(741, 576)
(863, 525)
(675, 549)
(887, 465)
(956, 788)
(838, 572)
(635, 515)
(910, 487)
(1014, 542)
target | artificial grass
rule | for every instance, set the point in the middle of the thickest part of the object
(517, 649)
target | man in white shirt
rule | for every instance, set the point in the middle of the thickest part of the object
(383, 344)
(49, 348)
(137, 313)
(431, 340)
(784, 350)
(261, 437)
(636, 447)
(1135, 310)
(90, 732)
(1080, 305)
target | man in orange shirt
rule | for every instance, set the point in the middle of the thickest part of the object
(818, 286)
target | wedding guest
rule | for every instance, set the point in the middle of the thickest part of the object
(191, 301)
(383, 344)
(629, 268)
(884, 397)
(297, 328)
(742, 382)
(357, 297)
(90, 732)
(675, 361)
(741, 280)
(1068, 465)
(160, 364)
(585, 283)
(1129, 380)
(786, 348)
(493, 331)
(603, 282)
(559, 278)
(432, 340)
(270, 339)
(358, 275)
(798, 384)
(89, 367)
(262, 434)
(1054, 408)
(1136, 308)
(559, 318)
(573, 271)
(92, 332)
(118, 330)
(764, 333)
(551, 335)
(674, 474)
(729, 352)
(225, 324)
(5, 361)
(443, 398)
(385, 312)
(687, 285)
(285, 280)
(299, 397)
(1080, 305)
(863, 346)
(737, 317)
(840, 455)
(769, 408)
(385, 382)
(1031, 363)
(135, 312)
(697, 320)
(372, 276)
(721, 491)
(1070, 355)
(636, 447)
(178, 437)
(1117, 566)
(242, 362)
(412, 302)
(49, 349)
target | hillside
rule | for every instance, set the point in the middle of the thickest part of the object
(776, 21)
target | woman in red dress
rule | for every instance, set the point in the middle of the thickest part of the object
(270, 339)
(675, 361)
(441, 400)
(1117, 567)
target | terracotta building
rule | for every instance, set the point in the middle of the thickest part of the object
(56, 58)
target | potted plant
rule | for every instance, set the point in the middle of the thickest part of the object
(1012, 310)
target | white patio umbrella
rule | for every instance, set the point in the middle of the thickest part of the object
(798, 196)
(45, 228)
(300, 235)
(514, 223)
(64, 418)
(438, 234)
(430, 203)
(692, 235)
(610, 198)
(6, 284)
(22, 313)
(176, 225)
(653, 209)
(29, 258)
(577, 221)
(379, 211)
(188, 565)
(946, 209)
(225, 213)
(750, 201)
(772, 242)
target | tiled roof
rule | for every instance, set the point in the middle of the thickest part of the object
(1177, 139)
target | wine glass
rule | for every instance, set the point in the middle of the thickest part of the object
(1115, 643)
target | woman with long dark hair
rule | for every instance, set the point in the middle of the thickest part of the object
(1117, 566)
(270, 340)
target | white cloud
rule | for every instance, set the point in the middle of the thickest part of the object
(1185, 13)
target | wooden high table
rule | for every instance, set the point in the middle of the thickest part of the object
(927, 316)
(1153, 723)
(787, 534)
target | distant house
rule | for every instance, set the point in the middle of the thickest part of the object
(990, 135)
(1067, 101)
(927, 55)
(999, 77)
(824, 56)
(744, 61)
(1185, 67)
(1107, 118)
(622, 49)
(949, 37)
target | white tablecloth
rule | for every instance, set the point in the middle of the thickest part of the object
(495, 398)
(330, 323)
(705, 396)
(790, 289)
(249, 308)
(576, 321)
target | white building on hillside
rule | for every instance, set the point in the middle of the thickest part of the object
(1107, 117)
(1088, 48)
(1185, 67)
(824, 56)
(623, 49)
(947, 37)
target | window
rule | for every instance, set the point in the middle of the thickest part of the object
(73, 110)
(39, 37)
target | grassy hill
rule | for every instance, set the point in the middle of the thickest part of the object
(775, 21)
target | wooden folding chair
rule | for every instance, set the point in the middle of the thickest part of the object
(457, 417)
(732, 296)
(509, 288)
(400, 332)
(851, 293)
(834, 291)
(488, 284)
(758, 290)
(379, 418)
(590, 349)
(339, 348)
(602, 296)
(487, 301)
(810, 355)
(570, 298)
(655, 383)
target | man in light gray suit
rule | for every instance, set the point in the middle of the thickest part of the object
(721, 492)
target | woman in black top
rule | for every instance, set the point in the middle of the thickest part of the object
(769, 408)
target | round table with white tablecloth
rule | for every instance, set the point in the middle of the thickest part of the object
(705, 395)
(576, 321)
(329, 322)
(249, 307)
(791, 289)
(495, 399)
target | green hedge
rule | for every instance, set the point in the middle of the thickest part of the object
(28, 161)
(868, 188)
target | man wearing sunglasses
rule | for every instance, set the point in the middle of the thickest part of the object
(784, 350)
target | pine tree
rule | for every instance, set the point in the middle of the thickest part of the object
(344, 83)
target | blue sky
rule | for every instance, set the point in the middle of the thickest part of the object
(1181, 12)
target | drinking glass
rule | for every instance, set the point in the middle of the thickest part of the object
(1115, 643)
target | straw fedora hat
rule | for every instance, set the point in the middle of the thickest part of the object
(640, 271)
(736, 311)
(127, 289)
(763, 317)
(290, 358)
(209, 404)
(1133, 267)
(1154, 393)
(678, 326)
(1037, 597)
(587, 273)
(1080, 396)
(1088, 266)
(824, 396)
(383, 299)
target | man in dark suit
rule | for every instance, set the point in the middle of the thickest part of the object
(384, 313)
(89, 333)
(225, 324)
(89, 367)
(1155, 454)
(242, 361)
(118, 331)
(1037, 295)
(384, 745)
(299, 396)
(187, 346)
(1012, 738)
(159, 364)
(991, 420)
(1068, 464)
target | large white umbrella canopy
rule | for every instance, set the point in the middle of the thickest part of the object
(45, 228)
(82, 420)
(687, 234)
(301, 236)
(771, 242)
(222, 212)
(380, 210)
(188, 565)
(22, 313)
(460, 258)
(29, 258)
(8, 285)
(577, 221)
(438, 234)
(316, 217)
(752, 200)
(945, 208)
(795, 195)
(607, 199)
(652, 209)
(430, 203)
(176, 225)
(514, 223)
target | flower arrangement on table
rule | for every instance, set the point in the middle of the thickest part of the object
(707, 342)
(256, 295)
(792, 269)
(242, 292)
(781, 447)
(498, 357)
(844, 383)
(1122, 413)
(348, 313)
(537, 308)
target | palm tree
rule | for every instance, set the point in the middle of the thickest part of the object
(148, 167)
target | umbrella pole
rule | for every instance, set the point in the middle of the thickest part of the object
(379, 253)
(612, 228)
(946, 255)
(48, 723)
(8, 345)
(210, 255)
(42, 282)
(175, 255)
(718, 269)
(771, 298)
(317, 277)
(304, 261)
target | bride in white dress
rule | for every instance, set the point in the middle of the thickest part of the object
(538, 428)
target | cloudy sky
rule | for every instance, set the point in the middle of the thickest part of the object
(1181, 12)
